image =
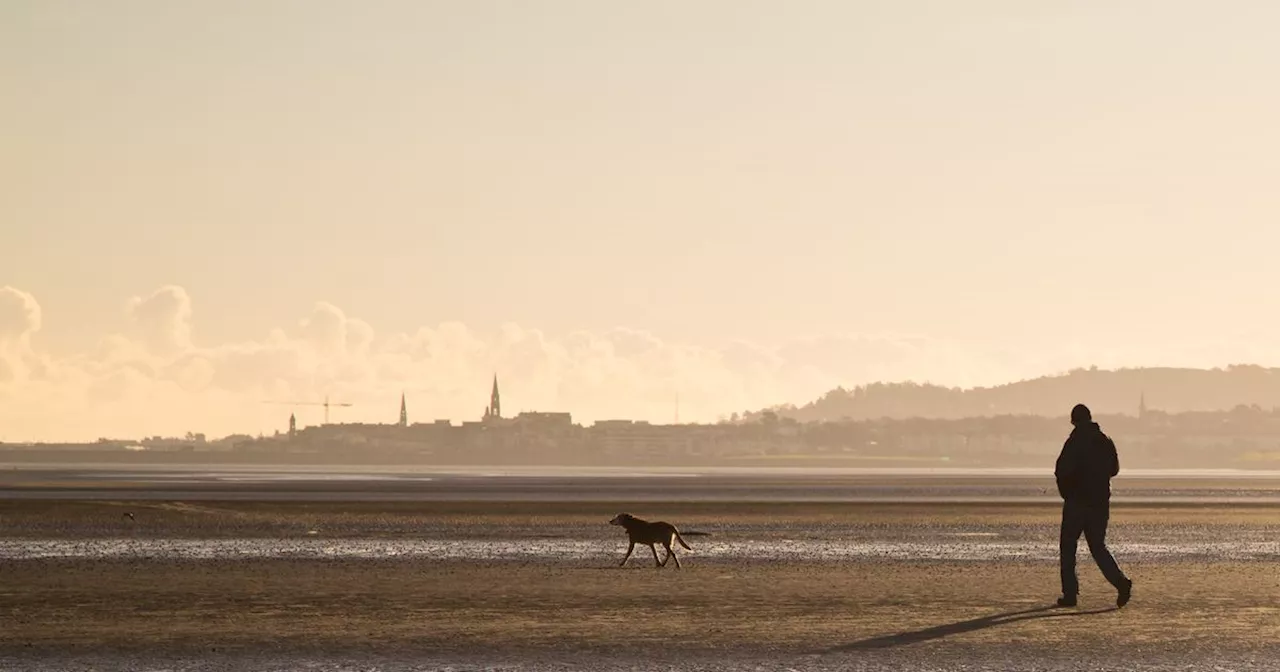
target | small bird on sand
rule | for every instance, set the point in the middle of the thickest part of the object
(129, 515)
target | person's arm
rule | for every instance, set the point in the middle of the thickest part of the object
(1065, 469)
(1115, 458)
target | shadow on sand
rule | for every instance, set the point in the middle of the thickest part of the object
(940, 631)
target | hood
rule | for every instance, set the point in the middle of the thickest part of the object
(1087, 428)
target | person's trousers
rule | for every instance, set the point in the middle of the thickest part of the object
(1090, 518)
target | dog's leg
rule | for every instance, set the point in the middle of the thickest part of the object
(655, 555)
(630, 547)
(671, 555)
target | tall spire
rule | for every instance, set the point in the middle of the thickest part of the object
(404, 413)
(495, 402)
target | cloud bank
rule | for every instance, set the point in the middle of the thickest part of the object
(159, 378)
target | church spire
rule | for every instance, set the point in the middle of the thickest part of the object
(495, 402)
(404, 413)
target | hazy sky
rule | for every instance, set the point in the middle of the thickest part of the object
(607, 202)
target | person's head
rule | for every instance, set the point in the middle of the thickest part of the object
(1080, 415)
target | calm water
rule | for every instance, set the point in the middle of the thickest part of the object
(480, 483)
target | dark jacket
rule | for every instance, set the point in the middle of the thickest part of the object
(1086, 465)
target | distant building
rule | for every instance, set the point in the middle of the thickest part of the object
(628, 437)
(494, 410)
(404, 413)
(537, 419)
(613, 424)
(293, 426)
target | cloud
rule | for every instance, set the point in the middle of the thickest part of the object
(163, 319)
(20, 318)
(19, 315)
(159, 379)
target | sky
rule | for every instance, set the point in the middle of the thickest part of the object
(206, 206)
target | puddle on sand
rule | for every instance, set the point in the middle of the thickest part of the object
(556, 551)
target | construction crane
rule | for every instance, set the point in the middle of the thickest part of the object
(326, 405)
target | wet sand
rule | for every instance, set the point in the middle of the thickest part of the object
(534, 585)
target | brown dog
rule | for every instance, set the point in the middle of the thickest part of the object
(645, 532)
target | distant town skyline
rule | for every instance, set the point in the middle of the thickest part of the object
(205, 205)
(158, 378)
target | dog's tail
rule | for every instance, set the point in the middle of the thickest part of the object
(692, 534)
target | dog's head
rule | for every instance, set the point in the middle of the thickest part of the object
(621, 519)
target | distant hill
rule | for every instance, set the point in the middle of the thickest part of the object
(1106, 392)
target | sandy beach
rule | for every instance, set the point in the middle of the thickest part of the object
(535, 585)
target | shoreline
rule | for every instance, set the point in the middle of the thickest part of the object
(589, 470)
(247, 483)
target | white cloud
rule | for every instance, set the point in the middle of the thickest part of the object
(19, 315)
(163, 319)
(20, 318)
(159, 380)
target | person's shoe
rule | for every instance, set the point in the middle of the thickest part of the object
(1125, 591)
(1067, 601)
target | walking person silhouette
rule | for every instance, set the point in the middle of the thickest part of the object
(1084, 470)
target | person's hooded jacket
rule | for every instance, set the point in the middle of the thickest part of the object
(1086, 465)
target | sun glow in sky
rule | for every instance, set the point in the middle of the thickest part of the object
(208, 205)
